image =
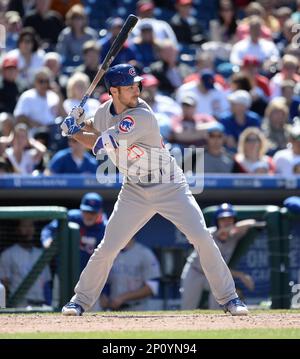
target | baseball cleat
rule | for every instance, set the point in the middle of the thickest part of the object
(73, 309)
(235, 307)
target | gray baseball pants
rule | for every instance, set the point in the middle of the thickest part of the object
(135, 206)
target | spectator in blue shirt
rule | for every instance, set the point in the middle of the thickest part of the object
(236, 121)
(91, 220)
(74, 159)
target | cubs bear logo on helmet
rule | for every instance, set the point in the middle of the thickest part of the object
(132, 71)
(121, 75)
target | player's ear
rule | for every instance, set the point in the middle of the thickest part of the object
(113, 90)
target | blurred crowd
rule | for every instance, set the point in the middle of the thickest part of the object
(230, 84)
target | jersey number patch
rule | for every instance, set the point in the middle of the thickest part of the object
(134, 152)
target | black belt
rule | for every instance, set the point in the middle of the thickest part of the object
(146, 179)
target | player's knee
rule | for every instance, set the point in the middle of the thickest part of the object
(199, 236)
(108, 249)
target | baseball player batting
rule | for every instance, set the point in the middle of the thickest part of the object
(145, 192)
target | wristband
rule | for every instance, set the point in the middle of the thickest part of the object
(98, 145)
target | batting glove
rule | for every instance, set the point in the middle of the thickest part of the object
(70, 127)
(78, 114)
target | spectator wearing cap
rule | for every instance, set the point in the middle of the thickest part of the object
(210, 98)
(72, 160)
(72, 38)
(187, 28)
(205, 61)
(13, 24)
(189, 129)
(162, 30)
(163, 106)
(254, 45)
(289, 71)
(126, 54)
(145, 46)
(159, 103)
(9, 87)
(29, 55)
(216, 158)
(251, 66)
(239, 118)
(91, 220)
(47, 23)
(251, 156)
(282, 14)
(285, 159)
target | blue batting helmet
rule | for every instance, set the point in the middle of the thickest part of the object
(91, 202)
(224, 210)
(121, 75)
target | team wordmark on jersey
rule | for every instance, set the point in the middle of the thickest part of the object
(127, 124)
(135, 152)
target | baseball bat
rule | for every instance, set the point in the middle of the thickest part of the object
(111, 55)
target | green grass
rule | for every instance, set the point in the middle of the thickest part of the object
(290, 333)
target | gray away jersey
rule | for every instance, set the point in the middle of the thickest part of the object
(140, 147)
